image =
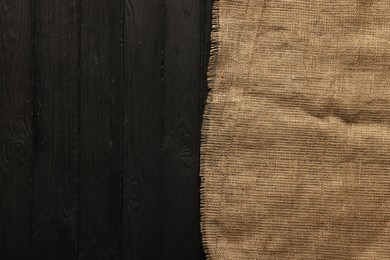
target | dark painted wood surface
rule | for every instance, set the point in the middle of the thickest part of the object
(101, 108)
(100, 130)
(142, 129)
(15, 131)
(56, 80)
(182, 106)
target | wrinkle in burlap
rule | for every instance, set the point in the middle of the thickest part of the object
(296, 143)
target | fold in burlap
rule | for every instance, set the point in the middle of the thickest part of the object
(295, 150)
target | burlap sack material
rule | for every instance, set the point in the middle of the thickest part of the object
(295, 156)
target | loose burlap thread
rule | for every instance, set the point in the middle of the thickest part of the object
(295, 140)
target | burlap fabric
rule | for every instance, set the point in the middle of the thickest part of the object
(295, 151)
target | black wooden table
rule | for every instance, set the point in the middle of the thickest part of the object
(101, 104)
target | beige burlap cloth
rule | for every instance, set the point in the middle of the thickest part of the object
(296, 137)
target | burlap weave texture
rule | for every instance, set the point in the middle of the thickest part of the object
(296, 136)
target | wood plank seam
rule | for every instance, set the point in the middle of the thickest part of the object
(162, 126)
(33, 126)
(122, 99)
(80, 79)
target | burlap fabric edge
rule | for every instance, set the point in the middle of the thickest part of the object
(211, 74)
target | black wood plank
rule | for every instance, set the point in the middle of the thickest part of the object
(15, 129)
(182, 106)
(142, 117)
(56, 107)
(100, 130)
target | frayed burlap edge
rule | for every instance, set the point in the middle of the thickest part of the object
(211, 76)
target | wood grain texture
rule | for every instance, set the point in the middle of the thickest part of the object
(56, 107)
(113, 170)
(100, 130)
(15, 129)
(142, 129)
(182, 106)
